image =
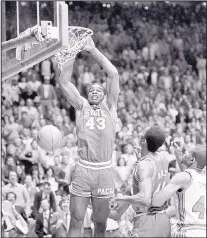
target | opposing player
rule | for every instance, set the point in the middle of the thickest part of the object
(150, 175)
(190, 187)
(95, 121)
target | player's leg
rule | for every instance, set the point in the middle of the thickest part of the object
(162, 224)
(156, 225)
(103, 190)
(79, 200)
(100, 215)
(78, 206)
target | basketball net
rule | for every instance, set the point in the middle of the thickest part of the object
(77, 42)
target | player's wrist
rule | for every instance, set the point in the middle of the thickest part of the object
(92, 50)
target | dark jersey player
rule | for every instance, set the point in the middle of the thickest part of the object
(150, 176)
(95, 122)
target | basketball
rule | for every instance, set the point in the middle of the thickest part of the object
(49, 138)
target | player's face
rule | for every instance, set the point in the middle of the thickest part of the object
(187, 158)
(95, 95)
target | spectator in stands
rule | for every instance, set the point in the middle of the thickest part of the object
(46, 194)
(22, 196)
(13, 218)
(60, 221)
(31, 188)
(122, 169)
(51, 179)
(9, 166)
(28, 93)
(20, 173)
(43, 220)
(47, 94)
(11, 130)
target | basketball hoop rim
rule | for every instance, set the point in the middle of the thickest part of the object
(79, 27)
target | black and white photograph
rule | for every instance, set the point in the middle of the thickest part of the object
(103, 119)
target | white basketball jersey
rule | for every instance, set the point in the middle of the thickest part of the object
(192, 201)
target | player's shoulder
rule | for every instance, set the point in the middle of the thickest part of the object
(166, 155)
(182, 178)
(146, 161)
(146, 167)
(83, 105)
(85, 102)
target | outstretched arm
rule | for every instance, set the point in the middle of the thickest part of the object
(112, 84)
(177, 146)
(117, 213)
(145, 171)
(180, 180)
(69, 90)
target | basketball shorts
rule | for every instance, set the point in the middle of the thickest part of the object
(93, 180)
(151, 225)
(188, 232)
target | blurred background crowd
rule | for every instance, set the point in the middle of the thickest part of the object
(159, 50)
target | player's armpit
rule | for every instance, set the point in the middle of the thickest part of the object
(180, 180)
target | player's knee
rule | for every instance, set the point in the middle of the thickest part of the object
(76, 222)
(100, 226)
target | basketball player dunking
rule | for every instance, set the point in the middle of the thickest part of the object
(150, 175)
(95, 121)
(190, 187)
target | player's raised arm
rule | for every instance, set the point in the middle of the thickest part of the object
(112, 84)
(180, 180)
(69, 89)
(177, 145)
(143, 198)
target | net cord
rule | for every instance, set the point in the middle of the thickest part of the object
(17, 6)
(77, 39)
(38, 13)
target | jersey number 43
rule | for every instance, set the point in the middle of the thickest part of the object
(99, 123)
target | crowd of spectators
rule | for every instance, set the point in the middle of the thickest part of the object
(160, 53)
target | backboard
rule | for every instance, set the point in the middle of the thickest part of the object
(51, 16)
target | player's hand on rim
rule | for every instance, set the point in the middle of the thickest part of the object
(90, 45)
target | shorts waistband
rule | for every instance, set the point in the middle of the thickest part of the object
(191, 226)
(95, 166)
(149, 213)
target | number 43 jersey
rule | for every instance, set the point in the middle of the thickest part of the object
(192, 201)
(96, 129)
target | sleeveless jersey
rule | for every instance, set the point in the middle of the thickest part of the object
(159, 179)
(192, 201)
(96, 131)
